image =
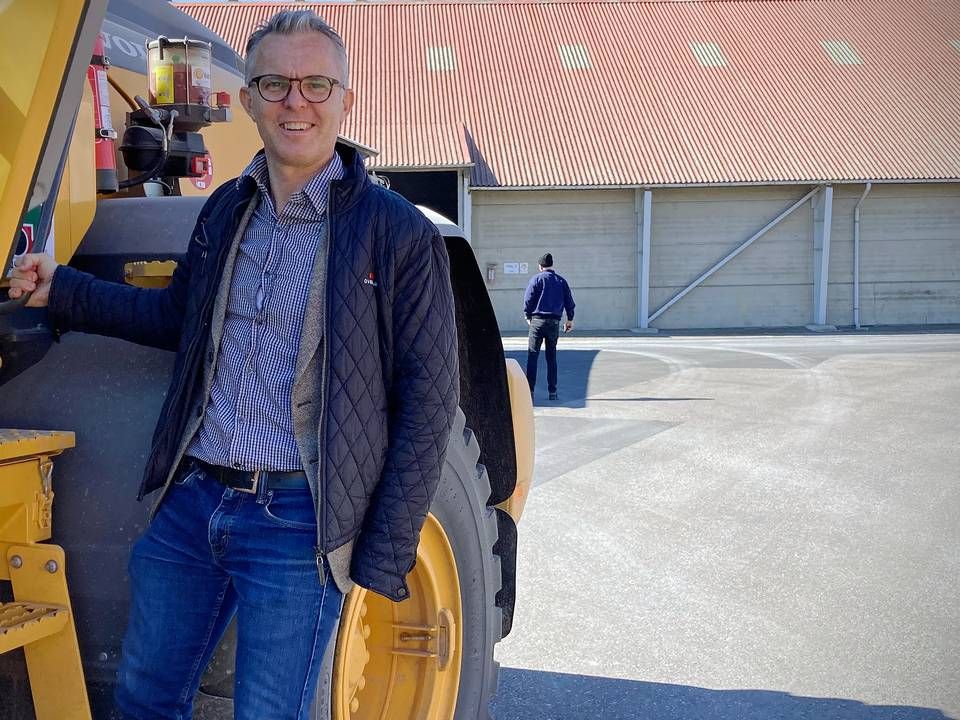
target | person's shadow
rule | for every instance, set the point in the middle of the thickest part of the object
(537, 695)
(573, 374)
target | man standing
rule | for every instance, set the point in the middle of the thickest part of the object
(547, 297)
(313, 393)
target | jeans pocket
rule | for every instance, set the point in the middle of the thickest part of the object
(291, 509)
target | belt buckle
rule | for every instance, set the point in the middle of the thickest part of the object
(255, 478)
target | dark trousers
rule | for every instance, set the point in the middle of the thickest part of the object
(543, 329)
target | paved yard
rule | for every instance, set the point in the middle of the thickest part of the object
(730, 527)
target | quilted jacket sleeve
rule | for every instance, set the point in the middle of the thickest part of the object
(147, 316)
(80, 301)
(423, 401)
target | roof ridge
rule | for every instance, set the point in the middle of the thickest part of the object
(307, 3)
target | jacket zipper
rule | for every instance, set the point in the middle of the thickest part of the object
(203, 256)
(320, 571)
(325, 368)
(210, 295)
(207, 302)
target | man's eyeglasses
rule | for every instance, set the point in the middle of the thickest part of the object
(314, 88)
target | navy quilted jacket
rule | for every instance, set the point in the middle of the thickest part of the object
(387, 381)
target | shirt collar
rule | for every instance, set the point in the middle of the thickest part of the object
(317, 189)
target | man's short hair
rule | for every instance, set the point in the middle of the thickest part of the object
(291, 22)
(546, 260)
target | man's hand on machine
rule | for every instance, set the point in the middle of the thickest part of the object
(33, 273)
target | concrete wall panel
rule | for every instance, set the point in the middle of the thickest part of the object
(769, 283)
(592, 235)
(735, 306)
(597, 308)
(910, 254)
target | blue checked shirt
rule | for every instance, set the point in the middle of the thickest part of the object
(248, 422)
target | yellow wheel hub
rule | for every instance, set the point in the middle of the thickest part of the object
(397, 661)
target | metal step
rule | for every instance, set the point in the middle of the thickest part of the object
(22, 623)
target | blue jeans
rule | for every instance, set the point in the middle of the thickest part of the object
(211, 553)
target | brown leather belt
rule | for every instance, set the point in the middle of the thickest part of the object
(249, 481)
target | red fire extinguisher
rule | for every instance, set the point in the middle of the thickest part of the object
(105, 134)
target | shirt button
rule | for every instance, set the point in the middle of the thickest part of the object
(199, 410)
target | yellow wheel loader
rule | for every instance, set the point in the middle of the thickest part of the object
(115, 123)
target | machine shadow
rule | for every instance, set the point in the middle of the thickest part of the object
(537, 695)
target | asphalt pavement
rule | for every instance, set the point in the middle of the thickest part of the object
(741, 528)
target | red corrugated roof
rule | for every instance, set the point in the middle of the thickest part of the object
(645, 111)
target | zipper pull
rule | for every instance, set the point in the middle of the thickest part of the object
(320, 571)
(203, 241)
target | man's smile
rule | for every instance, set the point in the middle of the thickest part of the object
(296, 127)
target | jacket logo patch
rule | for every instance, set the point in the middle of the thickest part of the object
(370, 279)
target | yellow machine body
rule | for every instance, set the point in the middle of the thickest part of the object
(393, 661)
(40, 618)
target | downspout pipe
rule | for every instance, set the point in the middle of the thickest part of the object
(856, 256)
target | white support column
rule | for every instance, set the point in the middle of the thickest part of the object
(856, 256)
(465, 205)
(460, 198)
(822, 221)
(643, 211)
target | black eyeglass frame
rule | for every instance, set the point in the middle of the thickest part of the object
(333, 83)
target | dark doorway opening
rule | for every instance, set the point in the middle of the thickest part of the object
(437, 190)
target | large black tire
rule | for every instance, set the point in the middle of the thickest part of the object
(461, 507)
(471, 527)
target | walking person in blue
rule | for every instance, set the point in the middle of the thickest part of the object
(547, 297)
